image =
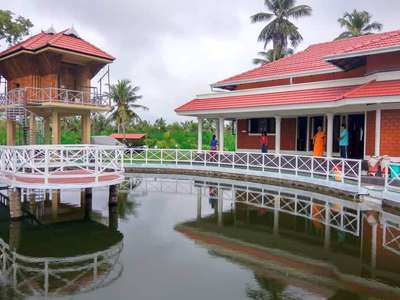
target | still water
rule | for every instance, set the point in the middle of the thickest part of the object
(199, 238)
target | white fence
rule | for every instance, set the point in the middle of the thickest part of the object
(333, 212)
(51, 277)
(49, 164)
(334, 170)
(37, 95)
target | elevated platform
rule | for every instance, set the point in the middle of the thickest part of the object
(61, 166)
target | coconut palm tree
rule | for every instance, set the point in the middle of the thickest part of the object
(280, 29)
(270, 56)
(124, 96)
(357, 23)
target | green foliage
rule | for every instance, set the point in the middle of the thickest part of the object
(279, 29)
(12, 29)
(125, 98)
(357, 23)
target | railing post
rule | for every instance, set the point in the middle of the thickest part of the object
(387, 180)
(359, 173)
(279, 162)
(328, 168)
(312, 166)
(248, 160)
(343, 170)
(176, 156)
(145, 156)
(46, 166)
(297, 165)
(161, 156)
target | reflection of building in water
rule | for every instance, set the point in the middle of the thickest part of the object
(59, 259)
(57, 249)
(338, 242)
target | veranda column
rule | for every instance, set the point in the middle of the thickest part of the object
(278, 134)
(86, 126)
(11, 130)
(329, 142)
(15, 203)
(55, 128)
(46, 125)
(221, 134)
(199, 134)
(378, 131)
(32, 129)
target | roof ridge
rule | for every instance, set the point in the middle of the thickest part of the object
(56, 37)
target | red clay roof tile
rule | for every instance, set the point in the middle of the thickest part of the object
(312, 59)
(59, 40)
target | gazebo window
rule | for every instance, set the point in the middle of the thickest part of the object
(262, 124)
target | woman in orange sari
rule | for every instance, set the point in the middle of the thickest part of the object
(319, 142)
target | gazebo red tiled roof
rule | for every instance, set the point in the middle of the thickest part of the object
(60, 40)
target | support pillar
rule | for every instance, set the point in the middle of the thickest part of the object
(11, 132)
(113, 197)
(15, 203)
(86, 128)
(199, 134)
(113, 217)
(329, 141)
(46, 125)
(327, 235)
(277, 206)
(221, 134)
(278, 134)
(220, 207)
(55, 202)
(86, 202)
(199, 203)
(55, 128)
(378, 131)
(14, 233)
(32, 129)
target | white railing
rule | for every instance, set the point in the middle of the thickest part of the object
(50, 277)
(392, 179)
(337, 170)
(333, 212)
(37, 95)
(50, 164)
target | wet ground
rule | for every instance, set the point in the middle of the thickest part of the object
(199, 238)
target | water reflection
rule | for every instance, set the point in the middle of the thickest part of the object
(352, 246)
(58, 249)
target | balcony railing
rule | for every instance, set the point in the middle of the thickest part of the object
(55, 165)
(30, 95)
(326, 170)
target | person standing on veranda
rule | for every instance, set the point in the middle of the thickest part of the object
(344, 141)
(319, 142)
(264, 142)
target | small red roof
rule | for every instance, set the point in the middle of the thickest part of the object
(313, 59)
(267, 99)
(60, 40)
(376, 89)
(128, 136)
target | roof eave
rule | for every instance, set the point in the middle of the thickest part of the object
(277, 77)
(43, 49)
(334, 57)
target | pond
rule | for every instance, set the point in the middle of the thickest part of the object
(177, 237)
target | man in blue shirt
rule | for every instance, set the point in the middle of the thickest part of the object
(344, 141)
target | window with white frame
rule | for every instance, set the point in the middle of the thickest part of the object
(261, 125)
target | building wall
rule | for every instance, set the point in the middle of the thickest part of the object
(288, 136)
(383, 62)
(246, 141)
(390, 133)
(370, 134)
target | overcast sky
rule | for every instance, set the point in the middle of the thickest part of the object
(173, 49)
